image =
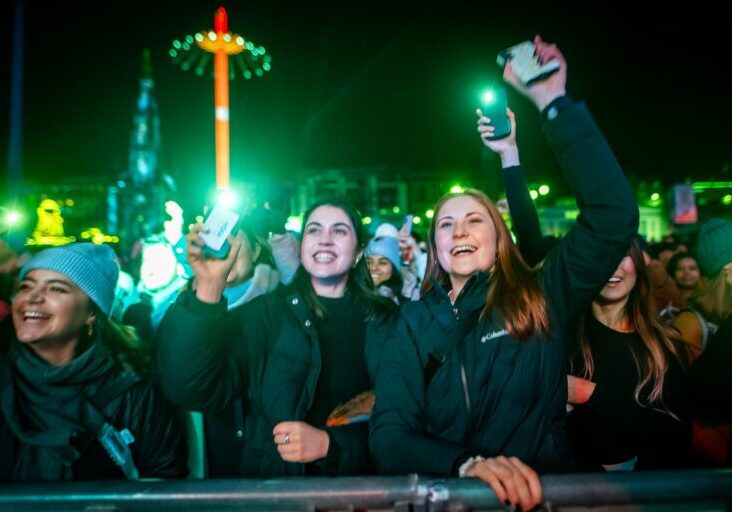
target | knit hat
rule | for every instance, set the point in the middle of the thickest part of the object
(386, 229)
(93, 268)
(386, 246)
(715, 246)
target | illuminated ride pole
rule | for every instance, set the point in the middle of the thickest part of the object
(194, 51)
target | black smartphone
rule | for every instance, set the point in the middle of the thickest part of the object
(493, 104)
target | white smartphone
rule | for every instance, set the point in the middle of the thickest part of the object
(218, 226)
(525, 64)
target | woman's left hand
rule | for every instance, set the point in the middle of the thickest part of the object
(579, 390)
(299, 442)
(506, 148)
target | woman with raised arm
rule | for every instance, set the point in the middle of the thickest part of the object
(474, 381)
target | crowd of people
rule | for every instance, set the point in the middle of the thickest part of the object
(467, 355)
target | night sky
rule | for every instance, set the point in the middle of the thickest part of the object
(368, 83)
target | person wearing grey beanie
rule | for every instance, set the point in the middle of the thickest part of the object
(73, 383)
(92, 268)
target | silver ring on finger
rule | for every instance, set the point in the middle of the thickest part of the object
(286, 439)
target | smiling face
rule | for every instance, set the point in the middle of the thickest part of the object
(687, 273)
(380, 268)
(329, 245)
(465, 238)
(621, 283)
(49, 308)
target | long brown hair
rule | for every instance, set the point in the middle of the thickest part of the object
(514, 289)
(122, 342)
(359, 280)
(657, 339)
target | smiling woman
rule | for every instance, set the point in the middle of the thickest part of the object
(71, 384)
(293, 356)
(474, 382)
(629, 387)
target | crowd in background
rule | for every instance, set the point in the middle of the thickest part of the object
(328, 353)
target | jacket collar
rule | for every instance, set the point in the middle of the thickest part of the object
(471, 297)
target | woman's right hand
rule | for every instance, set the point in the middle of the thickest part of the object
(211, 273)
(514, 482)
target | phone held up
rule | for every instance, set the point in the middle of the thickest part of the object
(493, 104)
(219, 224)
(526, 66)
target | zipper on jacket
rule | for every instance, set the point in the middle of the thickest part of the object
(466, 393)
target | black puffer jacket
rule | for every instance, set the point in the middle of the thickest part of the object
(266, 352)
(122, 398)
(493, 394)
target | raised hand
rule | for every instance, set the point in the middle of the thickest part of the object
(211, 273)
(544, 91)
(506, 148)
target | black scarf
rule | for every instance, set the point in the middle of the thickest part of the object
(47, 407)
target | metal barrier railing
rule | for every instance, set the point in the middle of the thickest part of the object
(403, 493)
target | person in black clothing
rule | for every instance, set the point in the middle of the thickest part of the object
(71, 386)
(629, 383)
(473, 382)
(292, 355)
(629, 386)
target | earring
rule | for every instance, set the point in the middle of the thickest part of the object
(91, 330)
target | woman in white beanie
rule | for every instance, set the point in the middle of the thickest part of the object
(73, 402)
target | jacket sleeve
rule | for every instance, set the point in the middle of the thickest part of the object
(159, 449)
(397, 439)
(203, 351)
(577, 269)
(349, 451)
(524, 219)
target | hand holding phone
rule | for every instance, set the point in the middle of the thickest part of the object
(526, 65)
(493, 106)
(405, 246)
(219, 224)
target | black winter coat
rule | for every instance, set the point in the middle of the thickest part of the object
(267, 353)
(494, 395)
(125, 401)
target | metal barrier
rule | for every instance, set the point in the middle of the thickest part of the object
(403, 493)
